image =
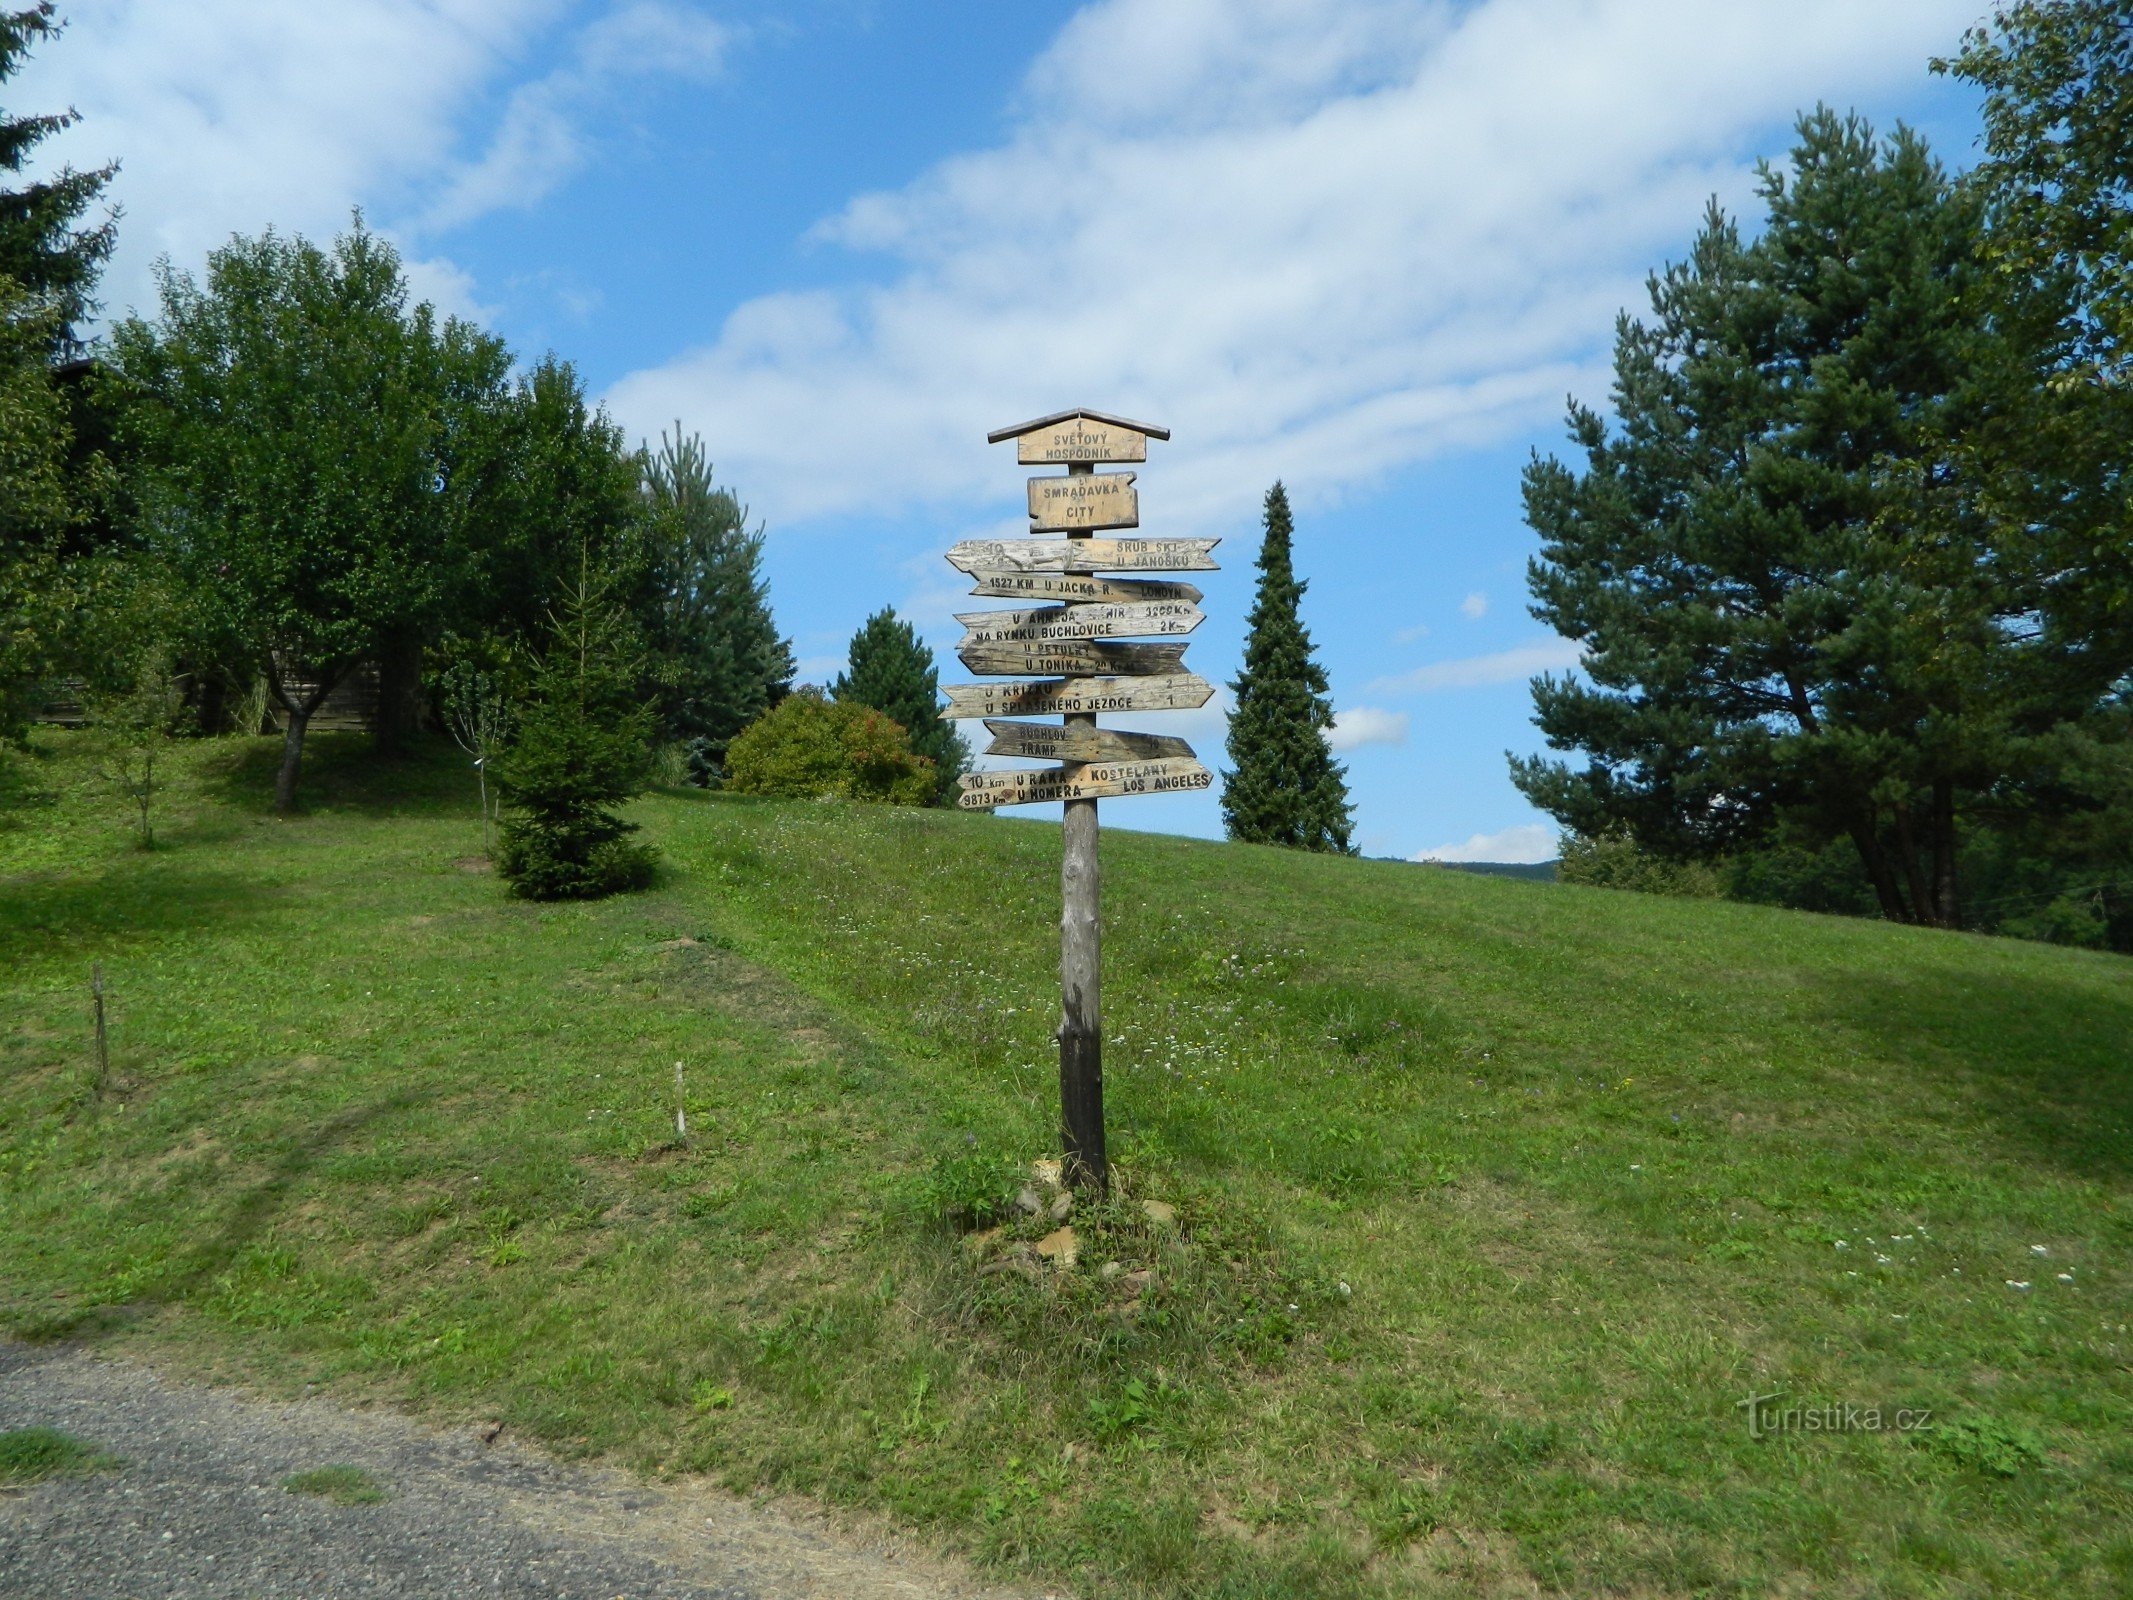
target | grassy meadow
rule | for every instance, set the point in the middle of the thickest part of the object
(1493, 1200)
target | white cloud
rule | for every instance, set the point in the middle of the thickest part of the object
(1361, 725)
(1528, 842)
(541, 139)
(237, 115)
(1409, 635)
(1316, 239)
(1475, 605)
(1473, 672)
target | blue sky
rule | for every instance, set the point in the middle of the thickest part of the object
(1366, 248)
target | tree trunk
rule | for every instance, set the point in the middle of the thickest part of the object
(298, 713)
(399, 691)
(1876, 862)
(292, 756)
(1914, 871)
(1947, 907)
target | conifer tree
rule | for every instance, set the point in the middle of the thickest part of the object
(579, 752)
(1792, 617)
(42, 245)
(1287, 788)
(892, 671)
(721, 661)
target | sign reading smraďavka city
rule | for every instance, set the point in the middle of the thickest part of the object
(1070, 658)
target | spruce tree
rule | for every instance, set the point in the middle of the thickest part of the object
(892, 671)
(1287, 788)
(579, 752)
(721, 662)
(42, 246)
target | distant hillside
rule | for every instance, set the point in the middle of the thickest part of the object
(1531, 871)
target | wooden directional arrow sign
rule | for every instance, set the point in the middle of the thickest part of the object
(1180, 692)
(1075, 586)
(1084, 500)
(1043, 742)
(1083, 555)
(984, 790)
(1097, 621)
(1070, 657)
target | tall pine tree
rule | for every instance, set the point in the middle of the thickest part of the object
(892, 671)
(720, 660)
(43, 246)
(1287, 788)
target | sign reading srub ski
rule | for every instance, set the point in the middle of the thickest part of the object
(1069, 659)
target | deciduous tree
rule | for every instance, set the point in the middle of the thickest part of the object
(301, 431)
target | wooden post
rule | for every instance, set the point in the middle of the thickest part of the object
(103, 1051)
(1081, 1072)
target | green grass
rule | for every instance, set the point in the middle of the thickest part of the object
(341, 1486)
(1494, 1199)
(31, 1455)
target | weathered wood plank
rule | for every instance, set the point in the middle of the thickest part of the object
(1044, 741)
(1072, 657)
(1084, 501)
(1093, 780)
(1179, 692)
(1099, 620)
(1080, 438)
(1078, 586)
(1083, 555)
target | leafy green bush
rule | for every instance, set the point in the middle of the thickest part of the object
(1614, 860)
(809, 747)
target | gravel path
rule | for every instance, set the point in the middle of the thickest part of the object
(198, 1511)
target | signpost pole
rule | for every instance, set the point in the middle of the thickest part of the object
(1081, 1076)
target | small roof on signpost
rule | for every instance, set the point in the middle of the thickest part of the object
(1080, 412)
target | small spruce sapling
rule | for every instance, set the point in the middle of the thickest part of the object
(580, 751)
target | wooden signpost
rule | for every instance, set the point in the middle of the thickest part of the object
(1177, 691)
(1043, 742)
(1095, 555)
(1082, 502)
(1078, 586)
(1073, 656)
(1097, 620)
(1076, 671)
